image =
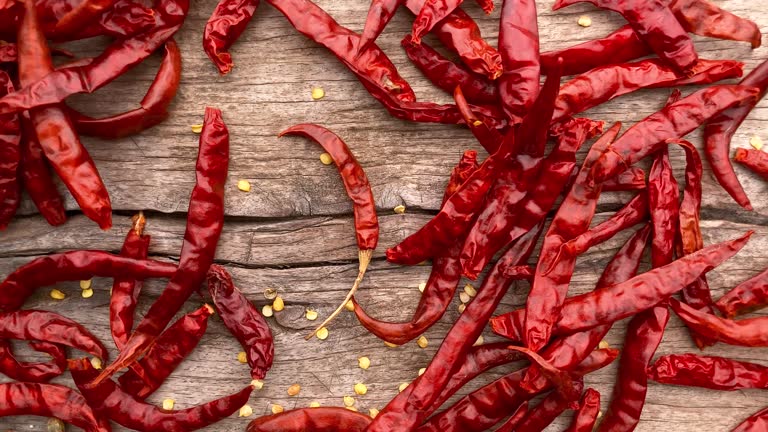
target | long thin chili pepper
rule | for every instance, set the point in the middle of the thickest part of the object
(585, 418)
(243, 320)
(486, 134)
(50, 327)
(716, 373)
(50, 400)
(561, 379)
(674, 121)
(205, 221)
(108, 399)
(85, 12)
(755, 160)
(625, 299)
(33, 371)
(514, 420)
(321, 419)
(631, 179)
(10, 157)
(519, 49)
(379, 14)
(757, 422)
(720, 130)
(750, 295)
(656, 25)
(702, 17)
(37, 179)
(431, 13)
(543, 414)
(663, 197)
(748, 332)
(168, 351)
(224, 27)
(359, 191)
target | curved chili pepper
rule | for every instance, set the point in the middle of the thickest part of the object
(83, 14)
(108, 399)
(36, 177)
(519, 49)
(31, 371)
(224, 27)
(10, 157)
(543, 414)
(321, 419)
(562, 381)
(586, 417)
(602, 84)
(50, 400)
(621, 300)
(487, 135)
(716, 373)
(755, 423)
(50, 327)
(359, 191)
(205, 221)
(704, 18)
(512, 422)
(534, 128)
(126, 18)
(719, 132)
(755, 160)
(674, 121)
(748, 296)
(629, 180)
(431, 13)
(168, 351)
(379, 14)
(243, 320)
(656, 25)
(748, 332)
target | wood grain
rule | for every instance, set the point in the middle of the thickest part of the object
(293, 231)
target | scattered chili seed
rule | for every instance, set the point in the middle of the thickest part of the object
(422, 342)
(391, 345)
(57, 295)
(277, 409)
(364, 362)
(244, 185)
(348, 401)
(257, 384)
(361, 389)
(421, 371)
(603, 344)
(326, 159)
(270, 293)
(311, 314)
(87, 293)
(55, 425)
(350, 306)
(585, 21)
(756, 142)
(314, 404)
(278, 304)
(351, 408)
(470, 290)
(373, 412)
(85, 284)
(294, 389)
(96, 363)
(322, 334)
(245, 411)
(422, 286)
(242, 357)
(168, 404)
(318, 93)
(464, 297)
(403, 386)
(399, 209)
(198, 128)
(479, 341)
(266, 310)
(462, 307)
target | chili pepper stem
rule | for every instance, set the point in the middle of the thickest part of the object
(364, 257)
(139, 221)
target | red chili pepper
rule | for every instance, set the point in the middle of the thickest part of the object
(205, 221)
(602, 84)
(586, 417)
(33, 371)
(36, 177)
(85, 12)
(562, 380)
(379, 14)
(629, 180)
(486, 134)
(716, 373)
(663, 201)
(719, 132)
(168, 351)
(656, 25)
(224, 27)
(50, 400)
(746, 297)
(431, 13)
(543, 414)
(704, 18)
(243, 320)
(49, 327)
(674, 121)
(8, 53)
(748, 332)
(512, 422)
(10, 157)
(321, 419)
(757, 422)
(108, 399)
(625, 299)
(519, 48)
(755, 160)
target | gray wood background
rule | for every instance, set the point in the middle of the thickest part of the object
(293, 232)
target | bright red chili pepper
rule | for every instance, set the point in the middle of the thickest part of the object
(36, 177)
(586, 417)
(49, 327)
(702, 17)
(224, 27)
(716, 373)
(757, 422)
(543, 414)
(10, 157)
(629, 180)
(379, 14)
(33, 371)
(519, 48)
(431, 13)
(750, 295)
(560, 379)
(748, 332)
(755, 160)
(83, 14)
(487, 135)
(321, 419)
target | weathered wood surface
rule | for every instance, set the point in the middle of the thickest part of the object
(293, 231)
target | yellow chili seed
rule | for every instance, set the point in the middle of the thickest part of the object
(373, 412)
(270, 293)
(197, 128)
(314, 404)
(479, 341)
(391, 345)
(364, 362)
(422, 342)
(244, 185)
(756, 142)
(399, 209)
(348, 401)
(350, 306)
(245, 411)
(603, 344)
(477, 123)
(403, 386)
(326, 159)
(242, 357)
(96, 363)
(278, 304)
(351, 408)
(318, 93)
(322, 334)
(168, 404)
(470, 290)
(422, 286)
(585, 21)
(55, 425)
(257, 384)
(87, 293)
(462, 307)
(277, 409)
(361, 389)
(57, 295)
(266, 310)
(311, 314)
(464, 297)
(421, 371)
(85, 284)
(294, 389)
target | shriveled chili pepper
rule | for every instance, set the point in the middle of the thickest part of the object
(514, 420)
(83, 14)
(205, 221)
(50, 327)
(755, 160)
(109, 400)
(224, 27)
(602, 84)
(702, 17)
(431, 13)
(320, 419)
(543, 414)
(586, 417)
(663, 201)
(379, 14)
(168, 351)
(359, 191)
(674, 121)
(755, 423)
(562, 380)
(33, 371)
(750, 295)
(10, 157)
(243, 320)
(631, 179)
(125, 291)
(487, 135)
(747, 332)
(37, 179)
(716, 373)
(519, 49)
(656, 25)
(50, 400)
(625, 299)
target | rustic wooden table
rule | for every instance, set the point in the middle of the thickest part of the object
(293, 232)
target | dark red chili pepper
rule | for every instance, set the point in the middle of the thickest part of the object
(379, 14)
(748, 332)
(37, 179)
(8, 53)
(750, 295)
(586, 417)
(83, 14)
(625, 299)
(663, 197)
(755, 160)
(224, 27)
(512, 422)
(674, 121)
(33, 371)
(359, 191)
(486, 134)
(534, 130)
(50, 327)
(757, 422)
(321, 419)
(460, 173)
(50, 400)
(243, 320)
(629, 180)
(109, 400)
(602, 84)
(560, 379)
(716, 373)
(543, 414)
(205, 221)
(702, 17)
(10, 157)
(656, 25)
(126, 18)
(168, 351)
(519, 48)
(431, 13)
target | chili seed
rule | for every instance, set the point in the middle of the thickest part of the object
(57, 295)
(197, 128)
(479, 341)
(364, 362)
(244, 185)
(318, 93)
(470, 290)
(403, 386)
(85, 284)
(756, 142)
(294, 389)
(391, 345)
(326, 159)
(422, 286)
(373, 412)
(55, 425)
(257, 384)
(270, 293)
(464, 297)
(87, 293)
(350, 306)
(322, 334)
(585, 21)
(242, 357)
(278, 304)
(603, 344)
(399, 209)
(277, 409)
(311, 314)
(421, 371)
(462, 307)
(96, 363)
(348, 401)
(266, 310)
(422, 341)
(477, 123)
(245, 411)
(168, 404)
(361, 389)
(314, 404)
(351, 408)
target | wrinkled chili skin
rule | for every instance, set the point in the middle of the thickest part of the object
(702, 17)
(519, 49)
(35, 325)
(224, 27)
(10, 158)
(716, 373)
(37, 372)
(37, 179)
(543, 414)
(379, 14)
(585, 418)
(50, 400)
(513, 421)
(750, 295)
(243, 320)
(320, 419)
(755, 160)
(629, 180)
(486, 134)
(747, 332)
(83, 14)
(431, 13)
(757, 422)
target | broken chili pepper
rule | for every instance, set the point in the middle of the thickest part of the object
(750, 295)
(50, 327)
(519, 49)
(10, 157)
(33, 371)
(224, 27)
(748, 332)
(755, 160)
(702, 17)
(320, 419)
(37, 179)
(716, 373)
(586, 417)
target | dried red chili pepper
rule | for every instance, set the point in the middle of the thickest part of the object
(379, 14)
(629, 180)
(625, 299)
(224, 27)
(8, 53)
(519, 49)
(755, 423)
(543, 414)
(674, 121)
(83, 14)
(33, 371)
(50, 327)
(560, 379)
(663, 201)
(50, 400)
(108, 399)
(656, 25)
(513, 421)
(586, 417)
(602, 84)
(243, 320)
(704, 18)
(716, 373)
(748, 296)
(431, 13)
(487, 135)
(321, 419)
(359, 191)
(168, 351)
(748, 332)
(205, 221)
(37, 179)
(10, 157)
(755, 160)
